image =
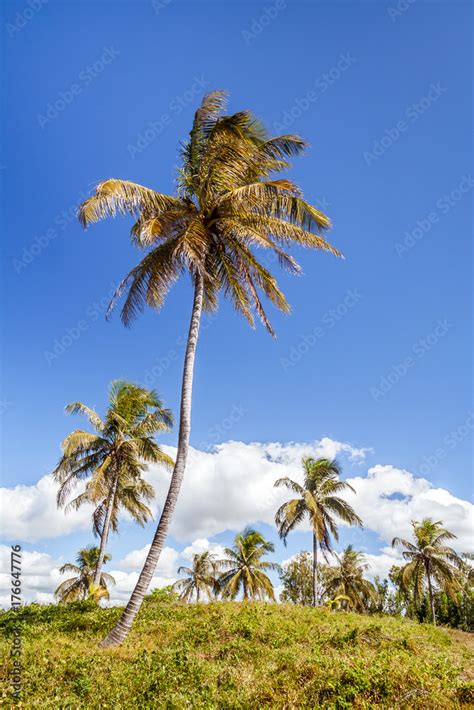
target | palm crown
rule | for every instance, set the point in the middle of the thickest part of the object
(429, 559)
(346, 579)
(81, 585)
(201, 577)
(122, 443)
(227, 205)
(245, 568)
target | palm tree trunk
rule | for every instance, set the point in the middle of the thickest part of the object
(430, 590)
(197, 595)
(105, 530)
(120, 632)
(315, 570)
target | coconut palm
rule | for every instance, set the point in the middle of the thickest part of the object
(113, 458)
(429, 560)
(346, 579)
(245, 568)
(228, 204)
(201, 578)
(82, 585)
(317, 501)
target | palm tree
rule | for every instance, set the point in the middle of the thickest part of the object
(82, 585)
(114, 458)
(318, 502)
(429, 559)
(246, 568)
(346, 580)
(201, 578)
(228, 204)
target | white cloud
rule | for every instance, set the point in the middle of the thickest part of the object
(39, 576)
(166, 565)
(232, 486)
(202, 545)
(389, 498)
(30, 513)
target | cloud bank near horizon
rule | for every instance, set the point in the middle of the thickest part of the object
(226, 489)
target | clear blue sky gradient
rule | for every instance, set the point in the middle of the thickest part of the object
(385, 102)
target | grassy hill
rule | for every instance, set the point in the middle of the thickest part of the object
(238, 655)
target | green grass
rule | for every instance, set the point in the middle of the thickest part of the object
(230, 655)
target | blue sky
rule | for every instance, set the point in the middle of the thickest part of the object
(377, 351)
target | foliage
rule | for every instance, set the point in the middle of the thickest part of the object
(201, 580)
(123, 444)
(245, 568)
(229, 205)
(162, 595)
(240, 655)
(297, 580)
(81, 586)
(345, 581)
(430, 562)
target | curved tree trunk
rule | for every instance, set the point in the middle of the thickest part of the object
(105, 531)
(120, 632)
(430, 590)
(315, 570)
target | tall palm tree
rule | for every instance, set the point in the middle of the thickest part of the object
(346, 579)
(113, 458)
(245, 568)
(429, 560)
(318, 501)
(228, 204)
(82, 585)
(201, 578)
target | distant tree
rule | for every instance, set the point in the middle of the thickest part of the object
(387, 599)
(201, 578)
(429, 561)
(82, 585)
(113, 458)
(346, 579)
(319, 502)
(244, 568)
(297, 580)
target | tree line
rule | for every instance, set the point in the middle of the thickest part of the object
(434, 579)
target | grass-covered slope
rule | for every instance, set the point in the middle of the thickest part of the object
(229, 655)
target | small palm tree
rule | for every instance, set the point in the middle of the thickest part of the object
(228, 206)
(346, 579)
(336, 602)
(245, 568)
(429, 560)
(201, 579)
(318, 502)
(113, 458)
(82, 585)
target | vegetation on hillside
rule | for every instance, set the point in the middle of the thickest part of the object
(237, 655)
